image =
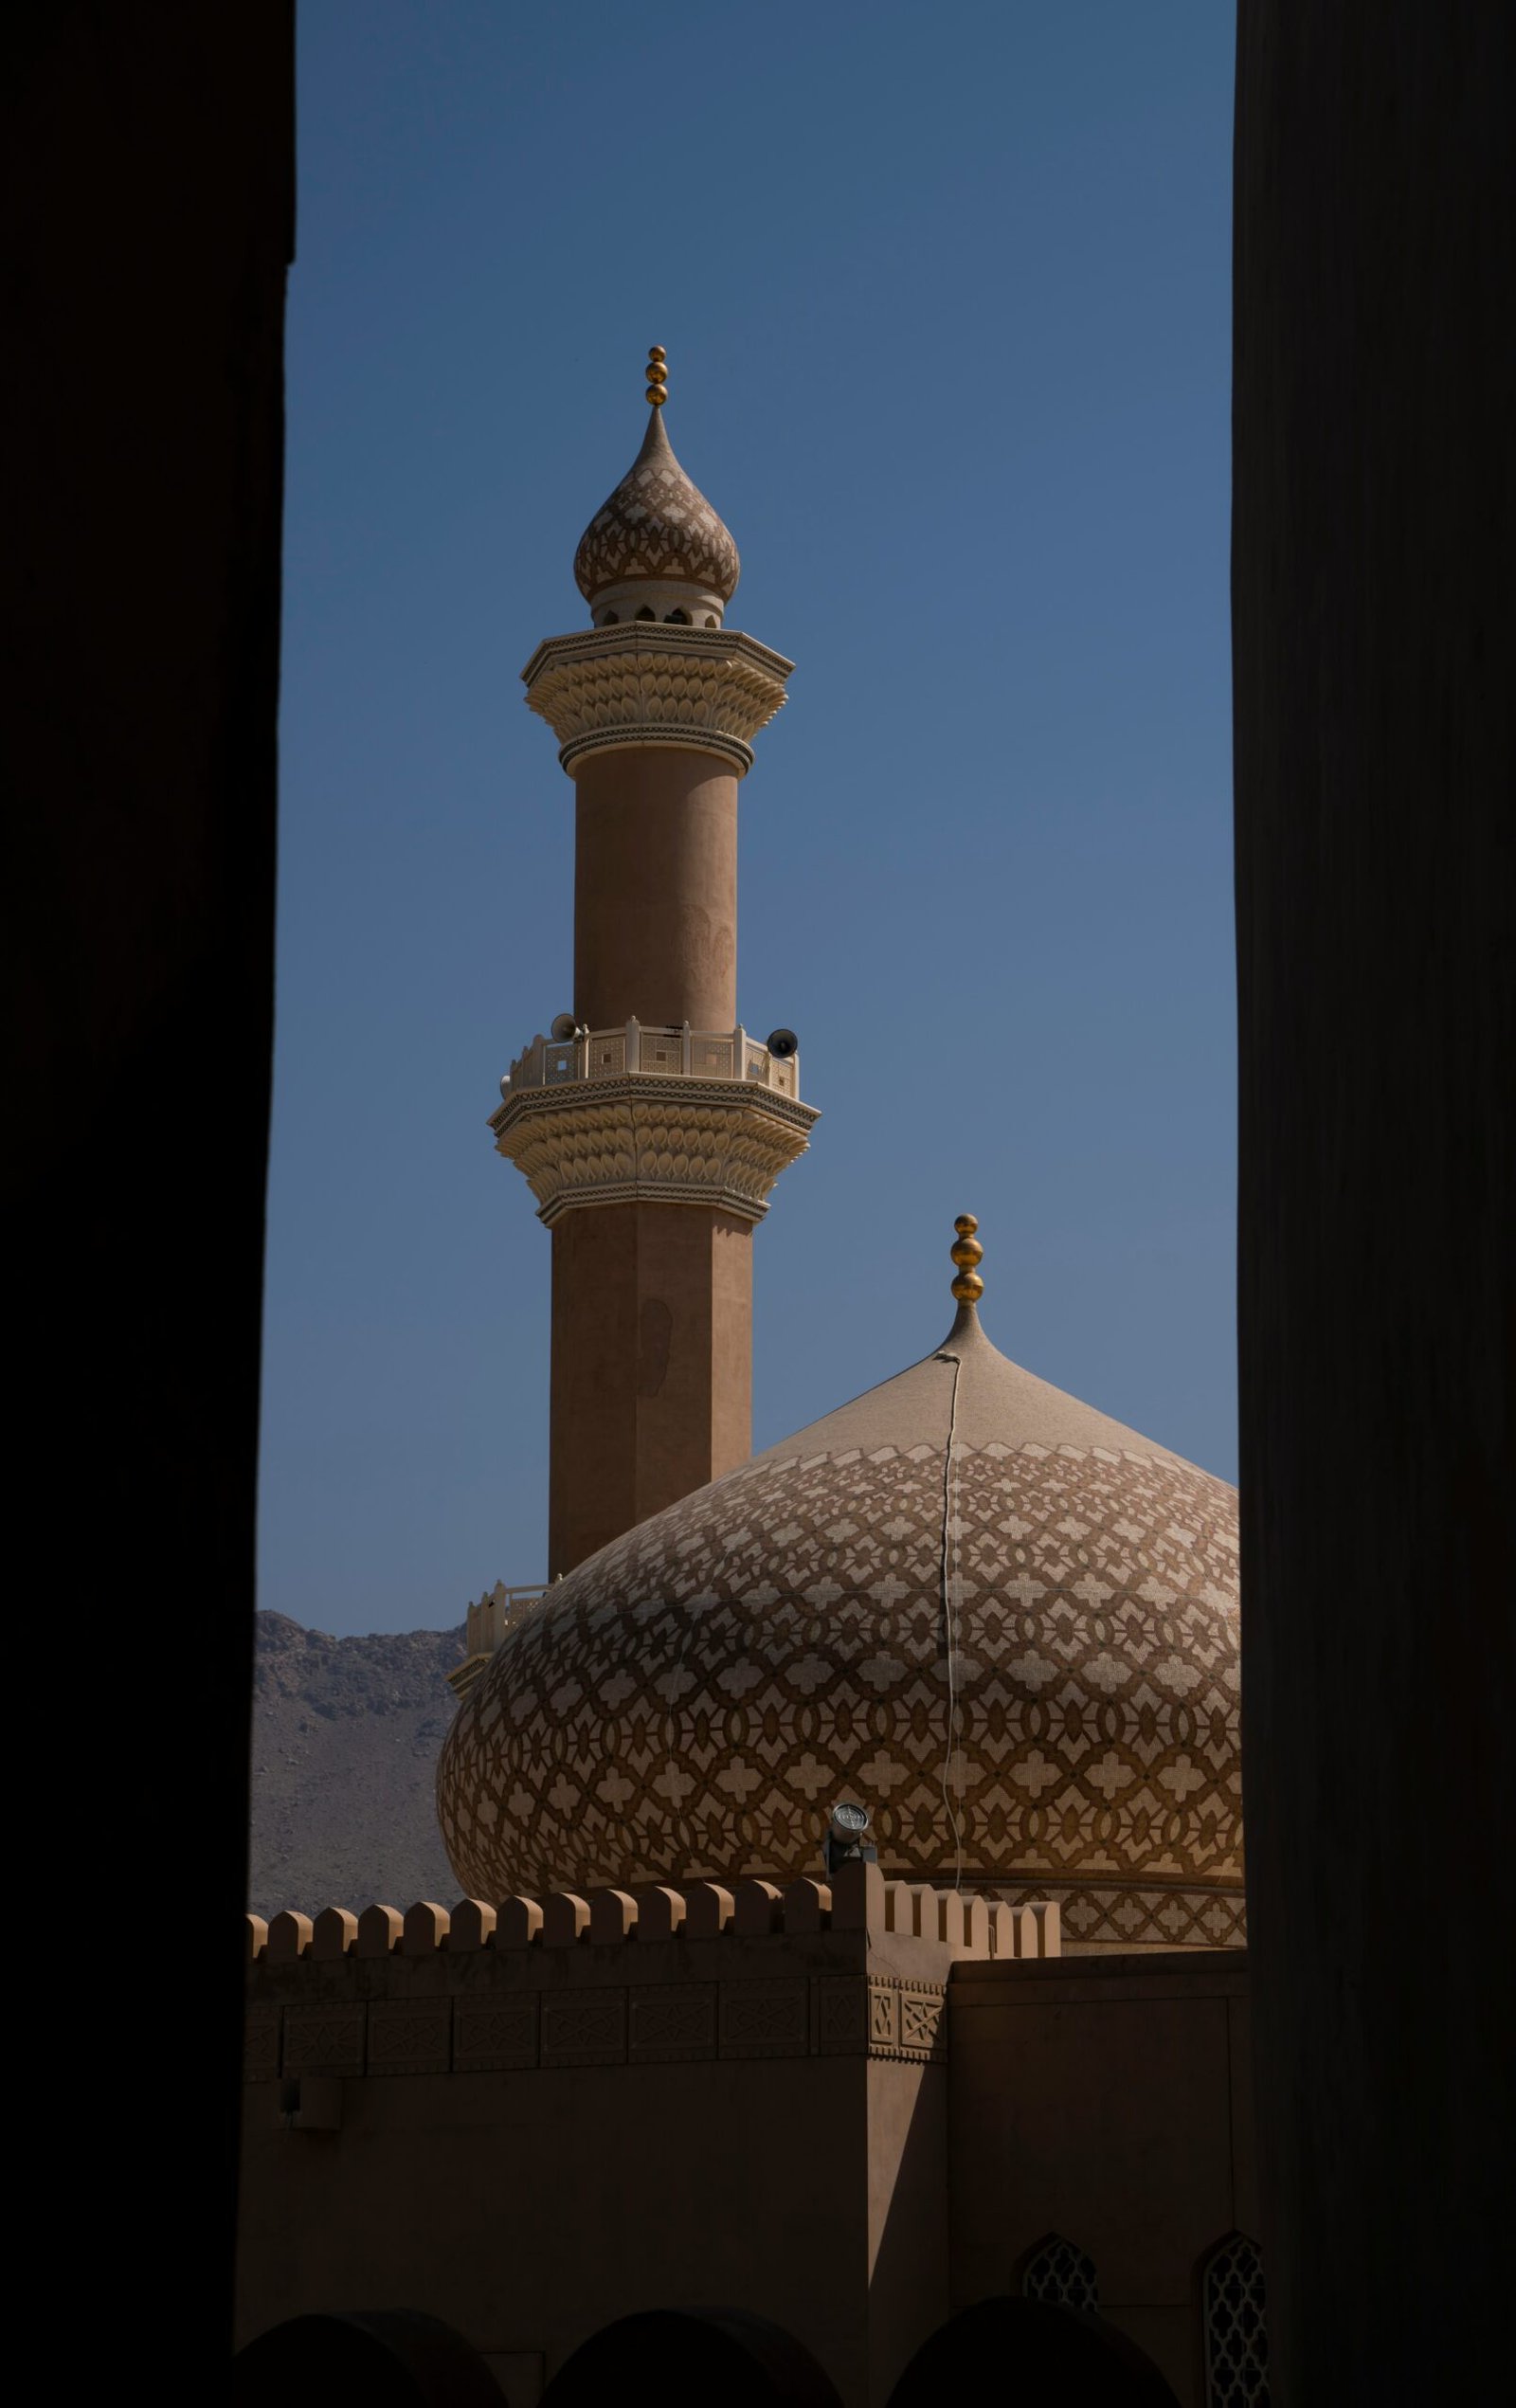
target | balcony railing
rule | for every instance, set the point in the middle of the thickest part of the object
(642, 1050)
(488, 1618)
(484, 1630)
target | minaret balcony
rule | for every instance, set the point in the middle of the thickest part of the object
(654, 1114)
(642, 1050)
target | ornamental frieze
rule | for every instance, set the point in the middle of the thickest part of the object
(601, 688)
(649, 1140)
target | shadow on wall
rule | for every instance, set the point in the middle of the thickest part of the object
(689, 2358)
(910, 2285)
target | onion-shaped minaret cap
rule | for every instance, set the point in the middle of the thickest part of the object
(658, 529)
(968, 1253)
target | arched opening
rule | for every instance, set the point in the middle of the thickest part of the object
(396, 2356)
(690, 2357)
(677, 619)
(1234, 2325)
(611, 619)
(711, 618)
(1027, 2349)
(1058, 2270)
(645, 613)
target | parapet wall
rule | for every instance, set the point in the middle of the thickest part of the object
(859, 1966)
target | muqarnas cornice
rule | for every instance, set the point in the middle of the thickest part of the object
(647, 683)
(641, 1140)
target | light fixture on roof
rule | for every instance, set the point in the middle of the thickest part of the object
(847, 1837)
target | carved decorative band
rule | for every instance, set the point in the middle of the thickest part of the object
(656, 639)
(715, 1143)
(702, 689)
(839, 2015)
(1126, 1915)
(726, 748)
(710, 1198)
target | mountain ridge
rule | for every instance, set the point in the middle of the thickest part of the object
(346, 1734)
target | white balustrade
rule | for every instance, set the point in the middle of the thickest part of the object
(643, 1049)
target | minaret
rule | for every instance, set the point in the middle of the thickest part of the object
(650, 1126)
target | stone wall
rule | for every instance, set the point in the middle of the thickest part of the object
(846, 2108)
(1106, 2100)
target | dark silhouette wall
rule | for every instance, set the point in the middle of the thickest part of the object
(1372, 552)
(148, 166)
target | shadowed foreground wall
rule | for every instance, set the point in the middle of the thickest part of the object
(1372, 653)
(847, 2107)
(149, 164)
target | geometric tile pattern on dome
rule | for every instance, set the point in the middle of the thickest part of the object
(656, 524)
(689, 1703)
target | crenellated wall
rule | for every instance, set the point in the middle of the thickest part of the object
(837, 2105)
(673, 1975)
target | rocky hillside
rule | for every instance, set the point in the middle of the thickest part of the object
(346, 1733)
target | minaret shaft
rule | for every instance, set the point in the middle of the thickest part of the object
(656, 887)
(650, 1126)
(652, 1354)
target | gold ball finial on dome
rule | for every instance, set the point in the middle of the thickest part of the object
(658, 376)
(968, 1254)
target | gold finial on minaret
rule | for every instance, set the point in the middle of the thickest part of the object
(658, 376)
(968, 1254)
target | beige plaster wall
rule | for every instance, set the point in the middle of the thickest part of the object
(905, 2172)
(531, 2134)
(1105, 2099)
(528, 2208)
(850, 2108)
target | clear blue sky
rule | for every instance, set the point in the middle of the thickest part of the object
(944, 295)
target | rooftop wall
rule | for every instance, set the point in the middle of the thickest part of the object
(843, 2105)
(856, 1967)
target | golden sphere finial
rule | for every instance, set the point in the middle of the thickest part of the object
(968, 1254)
(658, 376)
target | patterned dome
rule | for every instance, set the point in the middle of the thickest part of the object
(964, 1540)
(656, 524)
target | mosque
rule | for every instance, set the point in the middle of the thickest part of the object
(850, 1837)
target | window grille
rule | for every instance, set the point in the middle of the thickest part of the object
(1057, 2271)
(1236, 2331)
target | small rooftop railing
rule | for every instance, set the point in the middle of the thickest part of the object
(487, 1619)
(484, 1628)
(641, 1049)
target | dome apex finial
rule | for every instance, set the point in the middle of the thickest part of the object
(968, 1253)
(658, 376)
